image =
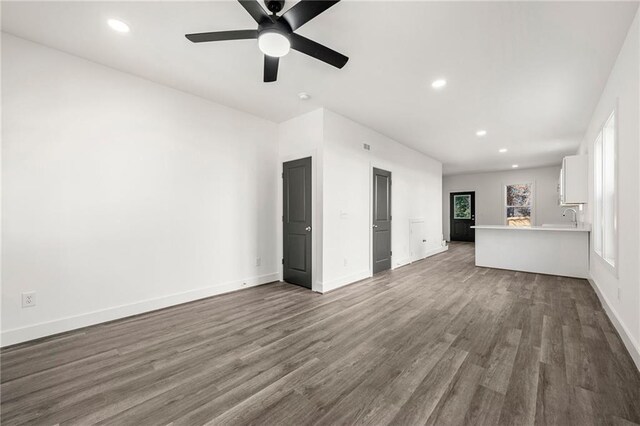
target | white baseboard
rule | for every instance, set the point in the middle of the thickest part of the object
(23, 334)
(629, 342)
(437, 250)
(350, 279)
(429, 253)
(342, 281)
(402, 262)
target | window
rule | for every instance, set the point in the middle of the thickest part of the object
(605, 238)
(519, 204)
(462, 206)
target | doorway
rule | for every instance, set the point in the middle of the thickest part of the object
(296, 222)
(381, 232)
(462, 216)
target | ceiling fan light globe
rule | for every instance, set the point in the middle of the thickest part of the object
(274, 44)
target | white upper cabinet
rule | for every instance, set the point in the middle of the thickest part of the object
(573, 180)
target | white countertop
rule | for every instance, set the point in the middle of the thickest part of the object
(581, 228)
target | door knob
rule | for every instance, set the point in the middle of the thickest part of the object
(308, 228)
(375, 226)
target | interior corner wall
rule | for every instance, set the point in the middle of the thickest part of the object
(489, 189)
(302, 137)
(619, 290)
(121, 195)
(347, 189)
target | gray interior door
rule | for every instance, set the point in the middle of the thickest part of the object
(381, 220)
(296, 220)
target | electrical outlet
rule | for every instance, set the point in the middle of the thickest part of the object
(258, 261)
(29, 299)
(345, 261)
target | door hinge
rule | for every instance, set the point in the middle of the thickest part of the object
(282, 218)
(390, 253)
(283, 260)
(282, 175)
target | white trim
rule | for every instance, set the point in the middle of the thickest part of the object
(436, 250)
(43, 329)
(629, 342)
(402, 262)
(612, 268)
(353, 278)
(346, 280)
(432, 252)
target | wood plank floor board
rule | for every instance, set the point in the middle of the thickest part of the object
(519, 405)
(439, 341)
(390, 397)
(500, 365)
(426, 396)
(552, 400)
(339, 379)
(453, 405)
(484, 408)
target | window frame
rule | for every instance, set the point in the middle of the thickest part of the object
(532, 185)
(598, 222)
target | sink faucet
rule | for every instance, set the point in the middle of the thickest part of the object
(575, 216)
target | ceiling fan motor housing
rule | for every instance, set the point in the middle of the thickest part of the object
(280, 26)
(274, 6)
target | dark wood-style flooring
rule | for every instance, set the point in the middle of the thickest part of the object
(436, 342)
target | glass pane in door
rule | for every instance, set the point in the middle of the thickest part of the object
(462, 206)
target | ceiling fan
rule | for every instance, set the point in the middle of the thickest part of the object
(276, 35)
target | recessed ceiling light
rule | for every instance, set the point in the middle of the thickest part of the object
(481, 133)
(515, 166)
(502, 150)
(304, 96)
(118, 26)
(439, 84)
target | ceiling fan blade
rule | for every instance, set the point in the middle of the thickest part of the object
(270, 68)
(306, 10)
(223, 35)
(256, 11)
(318, 51)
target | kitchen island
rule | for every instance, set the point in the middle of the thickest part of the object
(554, 250)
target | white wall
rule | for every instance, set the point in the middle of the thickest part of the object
(489, 188)
(619, 290)
(121, 195)
(342, 172)
(347, 188)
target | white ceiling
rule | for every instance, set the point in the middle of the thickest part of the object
(530, 73)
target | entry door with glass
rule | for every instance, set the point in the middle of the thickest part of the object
(462, 216)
